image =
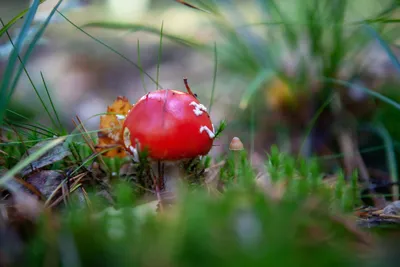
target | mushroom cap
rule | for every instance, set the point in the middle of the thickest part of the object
(170, 124)
(236, 144)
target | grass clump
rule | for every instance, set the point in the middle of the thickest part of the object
(244, 225)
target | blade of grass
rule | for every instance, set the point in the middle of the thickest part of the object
(314, 29)
(49, 138)
(362, 151)
(108, 47)
(313, 121)
(27, 119)
(390, 154)
(261, 78)
(32, 45)
(385, 46)
(191, 6)
(34, 127)
(91, 157)
(391, 158)
(252, 132)
(31, 82)
(28, 160)
(9, 71)
(337, 14)
(268, 6)
(368, 91)
(16, 18)
(140, 65)
(214, 76)
(159, 53)
(62, 129)
(132, 27)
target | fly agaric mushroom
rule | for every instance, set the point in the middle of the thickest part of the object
(172, 126)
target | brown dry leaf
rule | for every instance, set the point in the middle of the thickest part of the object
(111, 128)
(55, 154)
(46, 181)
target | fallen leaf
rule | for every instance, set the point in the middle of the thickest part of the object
(45, 181)
(55, 154)
(110, 134)
(25, 203)
(392, 209)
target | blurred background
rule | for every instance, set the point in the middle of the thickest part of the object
(276, 82)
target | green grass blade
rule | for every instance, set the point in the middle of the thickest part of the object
(159, 53)
(25, 118)
(385, 46)
(9, 71)
(28, 160)
(148, 29)
(87, 160)
(21, 15)
(109, 47)
(140, 65)
(32, 45)
(261, 78)
(390, 154)
(23, 67)
(313, 121)
(368, 91)
(52, 105)
(31, 127)
(49, 138)
(389, 148)
(337, 13)
(252, 130)
(214, 76)
(290, 33)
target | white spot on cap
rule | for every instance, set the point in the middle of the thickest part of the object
(198, 108)
(208, 131)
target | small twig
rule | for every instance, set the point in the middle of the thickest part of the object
(77, 177)
(65, 193)
(85, 136)
(88, 140)
(185, 81)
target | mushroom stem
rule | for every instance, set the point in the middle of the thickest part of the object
(172, 175)
(169, 174)
(157, 184)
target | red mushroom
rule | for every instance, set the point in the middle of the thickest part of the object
(172, 126)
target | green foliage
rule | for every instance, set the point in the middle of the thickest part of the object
(241, 227)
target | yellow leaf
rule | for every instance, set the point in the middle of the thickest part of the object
(110, 134)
